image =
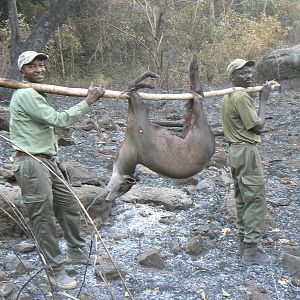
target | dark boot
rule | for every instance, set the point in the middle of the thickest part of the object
(79, 256)
(254, 256)
(62, 280)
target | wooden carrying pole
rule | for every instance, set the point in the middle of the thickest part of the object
(80, 92)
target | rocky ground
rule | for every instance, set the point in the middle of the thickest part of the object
(176, 239)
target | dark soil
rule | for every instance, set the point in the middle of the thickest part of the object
(135, 228)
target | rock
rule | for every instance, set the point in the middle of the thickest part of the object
(64, 137)
(6, 288)
(83, 174)
(167, 220)
(117, 235)
(89, 195)
(25, 247)
(280, 201)
(109, 270)
(4, 120)
(88, 126)
(256, 290)
(219, 159)
(7, 174)
(223, 180)
(151, 259)
(18, 266)
(170, 199)
(201, 229)
(11, 202)
(207, 184)
(175, 247)
(87, 295)
(92, 198)
(3, 275)
(172, 114)
(280, 64)
(187, 181)
(195, 246)
(22, 296)
(121, 122)
(106, 123)
(295, 282)
(292, 264)
(210, 231)
(293, 251)
(62, 141)
(190, 189)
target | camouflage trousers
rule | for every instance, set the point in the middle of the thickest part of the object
(249, 191)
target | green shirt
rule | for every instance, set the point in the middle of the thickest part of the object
(33, 121)
(238, 117)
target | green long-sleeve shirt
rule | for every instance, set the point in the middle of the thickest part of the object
(33, 121)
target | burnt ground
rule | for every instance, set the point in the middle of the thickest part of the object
(218, 272)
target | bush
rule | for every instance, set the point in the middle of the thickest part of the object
(239, 37)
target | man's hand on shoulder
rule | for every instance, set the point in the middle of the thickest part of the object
(94, 94)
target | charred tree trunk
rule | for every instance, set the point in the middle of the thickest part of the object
(15, 40)
(53, 17)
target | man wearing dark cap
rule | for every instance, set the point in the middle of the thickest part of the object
(242, 129)
(33, 124)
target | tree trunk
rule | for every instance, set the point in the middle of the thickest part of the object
(61, 53)
(15, 39)
(212, 13)
(53, 17)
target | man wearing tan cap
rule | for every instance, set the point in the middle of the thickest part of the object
(242, 129)
(32, 130)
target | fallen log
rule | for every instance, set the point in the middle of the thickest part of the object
(169, 123)
(81, 92)
(177, 127)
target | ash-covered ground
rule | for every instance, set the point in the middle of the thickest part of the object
(134, 228)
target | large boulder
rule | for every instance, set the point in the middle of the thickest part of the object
(4, 118)
(280, 64)
(13, 216)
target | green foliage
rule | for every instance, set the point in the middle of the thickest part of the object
(3, 11)
(190, 28)
(5, 41)
(239, 37)
(32, 9)
(63, 49)
(287, 11)
(109, 41)
(4, 47)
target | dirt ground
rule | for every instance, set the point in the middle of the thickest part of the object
(134, 228)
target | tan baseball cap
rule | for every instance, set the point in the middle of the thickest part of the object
(28, 56)
(238, 64)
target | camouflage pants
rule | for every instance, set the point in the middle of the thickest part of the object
(249, 191)
(46, 199)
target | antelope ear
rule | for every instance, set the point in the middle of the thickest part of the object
(130, 180)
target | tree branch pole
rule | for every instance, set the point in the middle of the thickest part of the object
(81, 92)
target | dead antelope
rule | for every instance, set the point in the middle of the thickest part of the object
(157, 148)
